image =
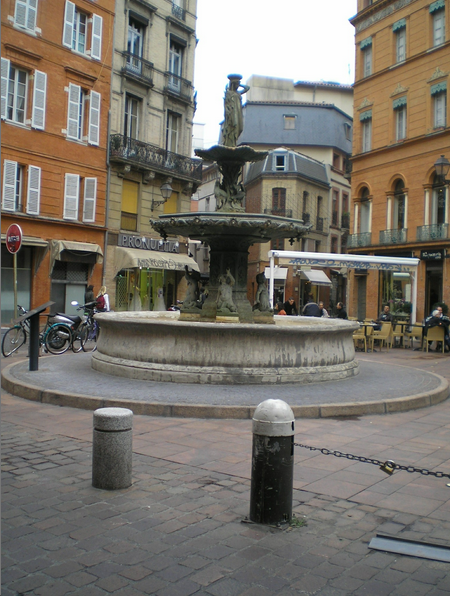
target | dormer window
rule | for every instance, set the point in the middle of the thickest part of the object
(289, 121)
(280, 162)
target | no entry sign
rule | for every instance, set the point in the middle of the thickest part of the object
(13, 238)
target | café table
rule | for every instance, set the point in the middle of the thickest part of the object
(366, 326)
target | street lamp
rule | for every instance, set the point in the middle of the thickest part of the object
(166, 192)
(442, 166)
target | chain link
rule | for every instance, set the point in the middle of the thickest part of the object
(375, 462)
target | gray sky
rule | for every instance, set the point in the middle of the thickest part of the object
(290, 39)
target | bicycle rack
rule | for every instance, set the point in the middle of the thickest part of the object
(33, 316)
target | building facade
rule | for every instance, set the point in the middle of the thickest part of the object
(56, 73)
(400, 203)
(151, 171)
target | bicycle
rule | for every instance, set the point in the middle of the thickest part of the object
(83, 334)
(55, 338)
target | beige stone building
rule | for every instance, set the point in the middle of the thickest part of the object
(151, 171)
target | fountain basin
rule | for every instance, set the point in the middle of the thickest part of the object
(156, 346)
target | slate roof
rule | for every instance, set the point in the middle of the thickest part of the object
(297, 164)
(319, 125)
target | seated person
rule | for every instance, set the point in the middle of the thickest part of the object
(279, 309)
(438, 319)
(324, 314)
(311, 308)
(384, 317)
(290, 307)
(341, 312)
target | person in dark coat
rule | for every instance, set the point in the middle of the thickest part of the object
(341, 312)
(290, 307)
(311, 308)
(89, 294)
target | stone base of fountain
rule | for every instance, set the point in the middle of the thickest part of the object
(160, 347)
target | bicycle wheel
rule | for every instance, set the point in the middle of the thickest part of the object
(76, 341)
(58, 339)
(89, 338)
(12, 340)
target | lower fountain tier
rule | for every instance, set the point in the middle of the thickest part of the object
(158, 347)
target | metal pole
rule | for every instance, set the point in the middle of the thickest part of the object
(34, 342)
(15, 284)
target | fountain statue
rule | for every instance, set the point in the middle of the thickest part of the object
(224, 339)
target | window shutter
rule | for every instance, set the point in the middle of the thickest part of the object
(32, 13)
(73, 112)
(69, 19)
(5, 77)
(39, 96)
(71, 193)
(34, 190)
(90, 197)
(20, 16)
(9, 185)
(96, 42)
(94, 118)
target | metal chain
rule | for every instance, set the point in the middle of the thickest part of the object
(376, 462)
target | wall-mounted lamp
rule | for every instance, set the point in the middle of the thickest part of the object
(442, 166)
(166, 192)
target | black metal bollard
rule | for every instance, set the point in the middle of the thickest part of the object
(272, 463)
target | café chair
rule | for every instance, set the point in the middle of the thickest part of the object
(384, 335)
(358, 336)
(435, 334)
(398, 332)
(352, 319)
(415, 332)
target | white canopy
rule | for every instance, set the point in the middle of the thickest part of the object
(317, 277)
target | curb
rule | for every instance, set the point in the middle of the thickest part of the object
(85, 402)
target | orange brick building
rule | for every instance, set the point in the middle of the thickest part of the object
(56, 70)
(401, 128)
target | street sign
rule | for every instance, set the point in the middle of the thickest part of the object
(13, 238)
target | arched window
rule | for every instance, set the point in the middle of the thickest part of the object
(365, 211)
(438, 202)
(399, 206)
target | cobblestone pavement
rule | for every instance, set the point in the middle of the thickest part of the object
(178, 530)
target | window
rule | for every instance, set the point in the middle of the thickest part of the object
(131, 117)
(365, 212)
(437, 11)
(438, 200)
(25, 14)
(134, 47)
(400, 118)
(335, 207)
(130, 192)
(14, 184)
(278, 201)
(279, 162)
(366, 130)
(175, 66)
(439, 98)
(277, 244)
(289, 122)
(348, 131)
(15, 97)
(336, 161)
(334, 245)
(399, 206)
(366, 48)
(75, 32)
(400, 43)
(172, 133)
(72, 197)
(76, 115)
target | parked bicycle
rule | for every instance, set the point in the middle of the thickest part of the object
(55, 338)
(85, 336)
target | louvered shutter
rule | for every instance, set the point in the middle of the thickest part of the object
(39, 97)
(9, 185)
(73, 112)
(96, 42)
(20, 16)
(71, 194)
(69, 19)
(32, 13)
(90, 198)
(34, 190)
(5, 77)
(94, 118)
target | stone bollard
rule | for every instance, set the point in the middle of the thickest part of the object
(272, 463)
(112, 448)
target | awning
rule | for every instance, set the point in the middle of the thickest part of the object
(316, 277)
(69, 250)
(132, 258)
(279, 272)
(40, 245)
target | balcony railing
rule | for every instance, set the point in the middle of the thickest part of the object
(279, 212)
(433, 232)
(306, 217)
(358, 240)
(319, 224)
(178, 11)
(178, 86)
(137, 68)
(345, 221)
(130, 150)
(393, 236)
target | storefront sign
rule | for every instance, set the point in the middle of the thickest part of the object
(129, 241)
(431, 255)
(13, 238)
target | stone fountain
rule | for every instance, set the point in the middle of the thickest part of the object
(227, 341)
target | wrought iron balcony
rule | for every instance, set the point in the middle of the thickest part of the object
(279, 212)
(178, 86)
(433, 232)
(137, 68)
(393, 236)
(319, 224)
(124, 149)
(306, 217)
(178, 11)
(345, 221)
(359, 240)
